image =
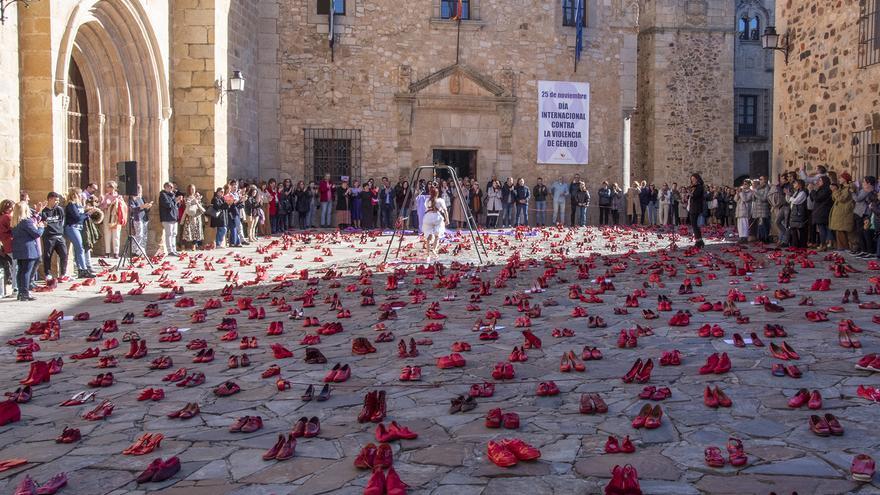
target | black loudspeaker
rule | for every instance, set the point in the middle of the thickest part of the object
(127, 178)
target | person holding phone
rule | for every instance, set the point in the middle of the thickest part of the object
(25, 233)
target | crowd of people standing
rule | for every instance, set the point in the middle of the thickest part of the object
(822, 211)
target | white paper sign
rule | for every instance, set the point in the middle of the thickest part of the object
(563, 122)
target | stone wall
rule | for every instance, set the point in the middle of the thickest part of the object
(684, 121)
(267, 86)
(357, 89)
(10, 151)
(242, 117)
(822, 97)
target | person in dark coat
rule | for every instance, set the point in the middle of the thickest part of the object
(822, 202)
(221, 220)
(302, 201)
(53, 217)
(696, 203)
(25, 249)
(168, 215)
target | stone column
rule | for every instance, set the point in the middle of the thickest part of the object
(198, 64)
(38, 171)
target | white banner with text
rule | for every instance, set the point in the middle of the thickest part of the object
(563, 122)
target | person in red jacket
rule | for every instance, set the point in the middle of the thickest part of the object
(325, 195)
(272, 191)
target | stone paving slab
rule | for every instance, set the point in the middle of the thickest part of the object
(450, 454)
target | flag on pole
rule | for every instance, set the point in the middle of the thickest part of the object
(579, 23)
(458, 11)
(331, 18)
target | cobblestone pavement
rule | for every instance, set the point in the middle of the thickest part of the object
(449, 455)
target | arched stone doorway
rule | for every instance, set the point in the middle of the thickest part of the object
(77, 129)
(122, 95)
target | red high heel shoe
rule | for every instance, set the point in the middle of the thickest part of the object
(737, 456)
(644, 373)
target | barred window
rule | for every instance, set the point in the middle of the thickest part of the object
(866, 153)
(333, 151)
(448, 8)
(747, 115)
(869, 33)
(569, 13)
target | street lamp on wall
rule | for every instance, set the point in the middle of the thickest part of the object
(8, 3)
(771, 40)
(236, 84)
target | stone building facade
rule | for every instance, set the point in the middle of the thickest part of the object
(827, 97)
(102, 81)
(752, 90)
(685, 71)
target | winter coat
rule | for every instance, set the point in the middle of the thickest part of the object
(744, 203)
(760, 206)
(841, 218)
(24, 240)
(493, 201)
(222, 218)
(822, 202)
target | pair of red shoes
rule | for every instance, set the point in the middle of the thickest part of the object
(736, 455)
(716, 364)
(531, 340)
(338, 374)
(361, 346)
(869, 362)
(226, 389)
(306, 427)
(495, 418)
(821, 285)
(40, 372)
(670, 358)
(771, 331)
(591, 354)
(649, 417)
(570, 362)
(592, 403)
(708, 330)
(813, 399)
(283, 449)
(518, 355)
(454, 360)
(154, 394)
(146, 444)
(281, 352)
(624, 481)
(394, 432)
(485, 390)
(509, 452)
(69, 435)
(101, 411)
(248, 343)
(374, 408)
(412, 351)
(784, 352)
(613, 446)
(716, 398)
(246, 424)
(627, 340)
(503, 371)
(655, 393)
(204, 356)
(546, 389)
(102, 380)
(845, 340)
(275, 328)
(27, 486)
(640, 371)
(780, 370)
(191, 409)
(229, 336)
(192, 380)
(562, 332)
(372, 457)
(456, 346)
(680, 319)
(159, 470)
(816, 316)
(411, 374)
(381, 483)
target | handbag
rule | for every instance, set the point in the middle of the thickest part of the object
(212, 212)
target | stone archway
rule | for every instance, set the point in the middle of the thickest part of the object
(117, 53)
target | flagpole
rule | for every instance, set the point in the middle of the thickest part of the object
(458, 41)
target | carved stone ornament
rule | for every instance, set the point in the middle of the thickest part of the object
(404, 78)
(455, 83)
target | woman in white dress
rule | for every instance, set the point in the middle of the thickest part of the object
(435, 220)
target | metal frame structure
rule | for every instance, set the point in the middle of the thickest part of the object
(477, 241)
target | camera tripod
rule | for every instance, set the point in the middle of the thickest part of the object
(128, 249)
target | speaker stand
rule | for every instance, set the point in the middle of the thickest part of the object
(128, 250)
